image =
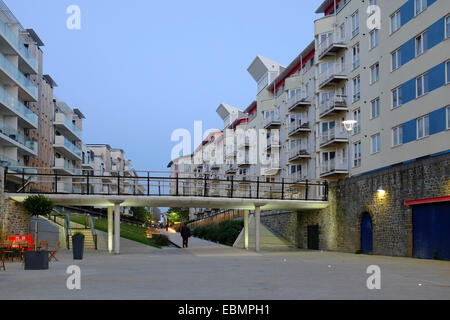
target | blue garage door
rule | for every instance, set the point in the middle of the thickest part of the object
(366, 234)
(431, 231)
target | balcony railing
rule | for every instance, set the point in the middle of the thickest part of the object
(272, 118)
(298, 98)
(336, 70)
(88, 162)
(300, 151)
(18, 107)
(333, 134)
(337, 101)
(61, 118)
(298, 126)
(18, 76)
(17, 136)
(62, 141)
(336, 38)
(18, 45)
(230, 168)
(298, 176)
(332, 166)
(272, 142)
(15, 166)
(61, 163)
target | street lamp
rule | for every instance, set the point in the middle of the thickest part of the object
(349, 125)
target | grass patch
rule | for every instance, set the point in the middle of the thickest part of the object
(226, 232)
(127, 231)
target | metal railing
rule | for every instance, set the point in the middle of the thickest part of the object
(331, 103)
(298, 125)
(61, 118)
(298, 97)
(18, 76)
(180, 185)
(299, 151)
(17, 136)
(335, 69)
(331, 166)
(61, 141)
(272, 118)
(331, 135)
(18, 107)
(335, 38)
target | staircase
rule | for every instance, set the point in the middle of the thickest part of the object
(89, 238)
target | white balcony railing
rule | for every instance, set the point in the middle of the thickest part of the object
(331, 166)
(300, 96)
(333, 134)
(299, 151)
(336, 69)
(298, 125)
(272, 118)
(336, 38)
(298, 176)
(332, 103)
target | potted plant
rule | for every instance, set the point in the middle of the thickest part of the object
(37, 206)
(78, 246)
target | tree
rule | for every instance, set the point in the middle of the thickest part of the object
(37, 206)
(140, 214)
(178, 215)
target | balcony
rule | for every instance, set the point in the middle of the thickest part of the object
(231, 168)
(298, 127)
(67, 127)
(299, 153)
(243, 143)
(332, 137)
(63, 145)
(11, 106)
(243, 161)
(64, 166)
(333, 105)
(88, 163)
(215, 166)
(333, 168)
(15, 166)
(298, 176)
(27, 62)
(298, 101)
(333, 75)
(13, 138)
(332, 44)
(272, 119)
(9, 73)
(272, 143)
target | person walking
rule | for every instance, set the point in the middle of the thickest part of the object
(185, 234)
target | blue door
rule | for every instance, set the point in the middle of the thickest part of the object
(366, 234)
(431, 231)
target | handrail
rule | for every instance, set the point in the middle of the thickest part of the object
(68, 230)
(94, 232)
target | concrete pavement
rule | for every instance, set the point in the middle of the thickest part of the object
(210, 271)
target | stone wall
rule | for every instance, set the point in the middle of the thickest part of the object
(339, 224)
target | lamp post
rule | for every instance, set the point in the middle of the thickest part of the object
(349, 125)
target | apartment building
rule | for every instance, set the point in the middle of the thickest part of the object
(392, 82)
(17, 120)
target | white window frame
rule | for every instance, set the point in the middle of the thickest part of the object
(357, 94)
(357, 154)
(374, 38)
(395, 55)
(396, 16)
(423, 6)
(355, 23)
(447, 71)
(377, 139)
(448, 117)
(424, 127)
(356, 58)
(376, 103)
(397, 90)
(357, 117)
(397, 132)
(375, 68)
(422, 43)
(447, 29)
(420, 79)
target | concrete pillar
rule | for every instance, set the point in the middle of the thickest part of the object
(246, 229)
(257, 231)
(110, 229)
(116, 228)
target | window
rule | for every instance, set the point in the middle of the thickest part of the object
(397, 136)
(357, 117)
(420, 6)
(397, 97)
(447, 26)
(374, 38)
(356, 88)
(395, 59)
(395, 21)
(372, 3)
(375, 108)
(357, 154)
(448, 117)
(420, 41)
(375, 143)
(375, 73)
(447, 70)
(355, 23)
(423, 127)
(356, 59)
(421, 85)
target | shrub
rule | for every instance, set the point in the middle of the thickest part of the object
(161, 240)
(226, 232)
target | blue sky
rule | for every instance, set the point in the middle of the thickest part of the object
(140, 69)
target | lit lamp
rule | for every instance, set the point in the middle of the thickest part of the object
(381, 191)
(349, 125)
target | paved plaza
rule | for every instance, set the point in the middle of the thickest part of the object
(212, 271)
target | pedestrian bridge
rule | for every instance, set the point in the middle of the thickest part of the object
(155, 189)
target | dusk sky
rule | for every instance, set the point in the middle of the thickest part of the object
(140, 69)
